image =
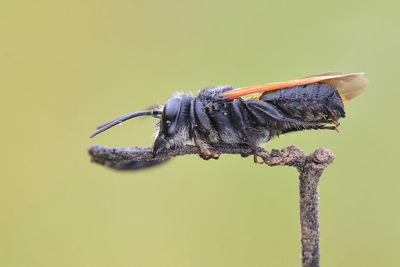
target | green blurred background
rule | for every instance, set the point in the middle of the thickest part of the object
(67, 66)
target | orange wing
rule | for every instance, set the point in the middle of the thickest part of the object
(349, 85)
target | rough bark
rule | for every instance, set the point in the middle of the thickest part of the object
(310, 168)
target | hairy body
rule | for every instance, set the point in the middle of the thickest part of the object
(209, 122)
(221, 117)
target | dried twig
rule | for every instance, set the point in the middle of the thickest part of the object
(310, 168)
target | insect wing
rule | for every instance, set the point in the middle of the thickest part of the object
(349, 85)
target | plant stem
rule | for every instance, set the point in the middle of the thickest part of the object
(310, 168)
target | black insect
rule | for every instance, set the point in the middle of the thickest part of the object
(220, 117)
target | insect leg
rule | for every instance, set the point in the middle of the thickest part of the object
(237, 117)
(197, 111)
(201, 115)
(239, 122)
(333, 120)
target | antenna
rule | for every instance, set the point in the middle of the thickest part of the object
(108, 125)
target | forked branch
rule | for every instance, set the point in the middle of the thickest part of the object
(310, 168)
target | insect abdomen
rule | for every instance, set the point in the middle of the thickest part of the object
(311, 103)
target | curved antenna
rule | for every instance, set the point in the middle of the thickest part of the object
(108, 125)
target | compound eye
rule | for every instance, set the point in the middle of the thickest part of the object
(170, 116)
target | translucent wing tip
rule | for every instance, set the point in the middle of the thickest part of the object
(354, 87)
(349, 85)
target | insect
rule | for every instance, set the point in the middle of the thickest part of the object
(249, 117)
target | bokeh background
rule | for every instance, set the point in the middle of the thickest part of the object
(66, 66)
